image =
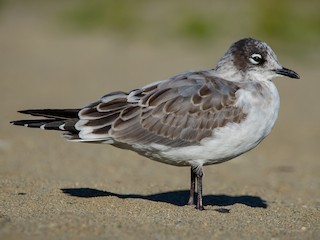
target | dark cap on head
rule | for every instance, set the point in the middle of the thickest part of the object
(244, 48)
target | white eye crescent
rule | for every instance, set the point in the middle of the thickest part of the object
(256, 58)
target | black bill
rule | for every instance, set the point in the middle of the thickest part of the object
(287, 72)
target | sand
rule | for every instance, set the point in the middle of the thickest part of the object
(53, 189)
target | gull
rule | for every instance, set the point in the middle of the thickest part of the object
(194, 119)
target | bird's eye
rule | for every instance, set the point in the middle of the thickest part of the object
(256, 59)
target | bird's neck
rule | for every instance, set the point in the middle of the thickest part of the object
(228, 72)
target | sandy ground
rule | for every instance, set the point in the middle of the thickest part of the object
(52, 189)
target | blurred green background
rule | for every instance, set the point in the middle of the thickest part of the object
(293, 24)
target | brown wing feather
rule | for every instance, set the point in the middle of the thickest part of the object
(178, 112)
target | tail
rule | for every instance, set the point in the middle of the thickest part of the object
(53, 119)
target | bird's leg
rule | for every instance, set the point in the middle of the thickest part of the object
(192, 187)
(196, 175)
(199, 185)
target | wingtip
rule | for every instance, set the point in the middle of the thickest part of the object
(16, 123)
(24, 111)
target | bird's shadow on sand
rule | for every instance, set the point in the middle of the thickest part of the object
(178, 198)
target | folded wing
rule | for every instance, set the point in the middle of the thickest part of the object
(177, 112)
